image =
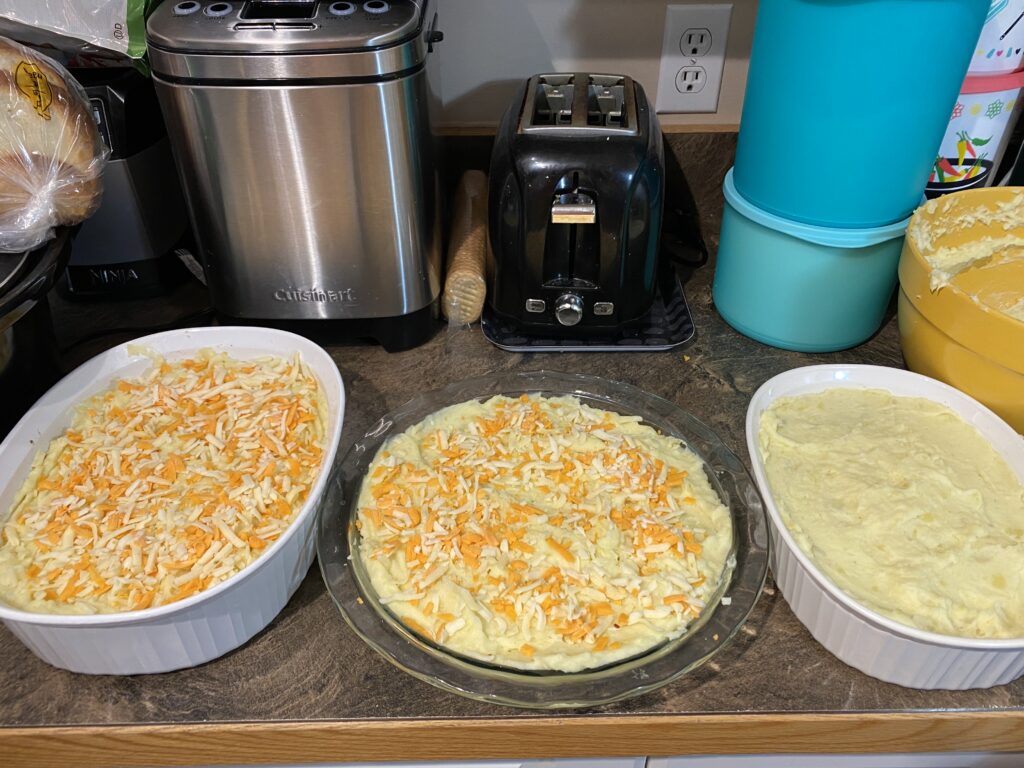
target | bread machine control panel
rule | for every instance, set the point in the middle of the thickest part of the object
(280, 9)
(228, 26)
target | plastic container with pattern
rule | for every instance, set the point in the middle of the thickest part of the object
(978, 134)
(1000, 47)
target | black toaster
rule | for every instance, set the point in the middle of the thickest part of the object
(575, 206)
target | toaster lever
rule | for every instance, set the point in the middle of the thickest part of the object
(573, 208)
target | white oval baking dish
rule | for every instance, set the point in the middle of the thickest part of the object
(874, 644)
(210, 623)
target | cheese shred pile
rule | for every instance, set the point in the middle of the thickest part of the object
(541, 533)
(164, 485)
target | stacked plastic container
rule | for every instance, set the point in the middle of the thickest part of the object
(845, 105)
(987, 108)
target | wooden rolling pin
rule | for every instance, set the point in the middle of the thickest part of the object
(465, 286)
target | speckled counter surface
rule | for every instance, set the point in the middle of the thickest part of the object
(308, 666)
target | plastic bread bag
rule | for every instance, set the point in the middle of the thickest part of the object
(51, 154)
(71, 53)
(110, 25)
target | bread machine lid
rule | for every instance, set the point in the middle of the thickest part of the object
(257, 39)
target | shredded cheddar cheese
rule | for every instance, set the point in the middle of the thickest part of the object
(164, 485)
(541, 533)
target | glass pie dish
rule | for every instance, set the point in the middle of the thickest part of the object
(339, 540)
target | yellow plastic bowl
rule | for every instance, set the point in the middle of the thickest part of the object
(955, 332)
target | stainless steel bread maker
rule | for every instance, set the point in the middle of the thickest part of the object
(302, 134)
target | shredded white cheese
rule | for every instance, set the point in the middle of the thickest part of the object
(541, 533)
(164, 485)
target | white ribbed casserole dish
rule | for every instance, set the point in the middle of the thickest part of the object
(876, 645)
(210, 623)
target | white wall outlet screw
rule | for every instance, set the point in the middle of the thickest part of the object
(693, 57)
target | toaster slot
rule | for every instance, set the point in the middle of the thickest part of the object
(553, 100)
(579, 105)
(606, 98)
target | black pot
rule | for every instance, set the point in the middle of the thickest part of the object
(29, 359)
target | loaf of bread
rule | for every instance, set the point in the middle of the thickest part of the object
(51, 155)
(465, 287)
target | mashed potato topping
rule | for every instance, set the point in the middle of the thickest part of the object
(947, 261)
(903, 505)
(541, 533)
(164, 485)
(989, 268)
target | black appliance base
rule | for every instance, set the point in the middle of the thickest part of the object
(394, 334)
(29, 363)
(666, 326)
(29, 360)
(143, 279)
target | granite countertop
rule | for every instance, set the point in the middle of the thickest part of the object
(309, 666)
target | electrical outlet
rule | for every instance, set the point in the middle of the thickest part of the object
(695, 42)
(693, 57)
(691, 79)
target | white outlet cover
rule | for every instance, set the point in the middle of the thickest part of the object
(679, 19)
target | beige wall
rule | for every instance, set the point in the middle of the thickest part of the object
(490, 46)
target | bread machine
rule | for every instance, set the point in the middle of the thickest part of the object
(575, 210)
(302, 135)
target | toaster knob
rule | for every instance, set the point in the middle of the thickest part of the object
(569, 309)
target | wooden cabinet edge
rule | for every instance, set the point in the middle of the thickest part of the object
(513, 737)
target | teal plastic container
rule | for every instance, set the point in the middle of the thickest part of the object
(797, 286)
(847, 102)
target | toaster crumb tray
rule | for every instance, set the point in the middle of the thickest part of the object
(666, 326)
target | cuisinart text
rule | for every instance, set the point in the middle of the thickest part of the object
(345, 296)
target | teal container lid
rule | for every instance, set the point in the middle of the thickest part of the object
(835, 238)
